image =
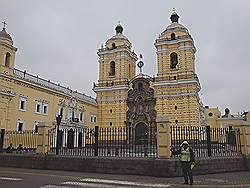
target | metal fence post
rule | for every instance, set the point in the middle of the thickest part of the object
(58, 122)
(96, 141)
(2, 139)
(209, 149)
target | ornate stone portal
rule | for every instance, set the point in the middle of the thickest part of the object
(141, 114)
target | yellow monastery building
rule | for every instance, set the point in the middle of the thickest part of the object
(122, 97)
(26, 100)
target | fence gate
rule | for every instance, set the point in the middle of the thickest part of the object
(206, 141)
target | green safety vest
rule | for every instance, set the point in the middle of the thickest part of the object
(185, 155)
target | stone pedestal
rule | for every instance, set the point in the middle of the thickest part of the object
(163, 137)
(43, 138)
(245, 139)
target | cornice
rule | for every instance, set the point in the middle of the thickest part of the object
(113, 88)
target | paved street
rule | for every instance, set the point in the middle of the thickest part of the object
(27, 178)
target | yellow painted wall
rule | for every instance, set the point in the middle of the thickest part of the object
(177, 89)
(111, 90)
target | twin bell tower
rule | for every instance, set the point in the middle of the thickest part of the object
(175, 86)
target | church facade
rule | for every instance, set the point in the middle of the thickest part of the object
(175, 86)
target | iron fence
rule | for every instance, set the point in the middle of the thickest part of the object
(206, 141)
(112, 142)
(12, 141)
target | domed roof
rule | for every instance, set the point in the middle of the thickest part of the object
(5, 35)
(119, 36)
(176, 25)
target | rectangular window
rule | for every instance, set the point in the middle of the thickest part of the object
(61, 111)
(81, 116)
(94, 119)
(91, 119)
(45, 108)
(35, 126)
(20, 126)
(38, 108)
(22, 103)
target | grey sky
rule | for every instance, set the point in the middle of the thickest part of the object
(58, 40)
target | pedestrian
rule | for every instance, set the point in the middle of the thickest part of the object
(10, 149)
(19, 148)
(187, 158)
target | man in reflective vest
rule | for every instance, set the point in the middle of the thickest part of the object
(186, 156)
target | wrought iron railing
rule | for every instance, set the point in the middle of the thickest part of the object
(206, 141)
(106, 142)
(12, 141)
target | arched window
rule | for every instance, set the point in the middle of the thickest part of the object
(129, 72)
(112, 68)
(173, 60)
(7, 59)
(113, 46)
(172, 36)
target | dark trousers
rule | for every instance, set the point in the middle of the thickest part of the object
(187, 172)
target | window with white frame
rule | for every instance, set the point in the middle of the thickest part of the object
(20, 126)
(42, 107)
(45, 108)
(38, 107)
(22, 103)
(35, 126)
(60, 112)
(81, 116)
(93, 118)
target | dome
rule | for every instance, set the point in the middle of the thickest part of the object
(118, 39)
(176, 25)
(5, 35)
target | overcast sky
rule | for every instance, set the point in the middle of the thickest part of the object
(58, 40)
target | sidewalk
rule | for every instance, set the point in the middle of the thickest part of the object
(238, 179)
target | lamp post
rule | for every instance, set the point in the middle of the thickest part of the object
(58, 122)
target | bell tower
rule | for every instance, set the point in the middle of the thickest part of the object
(176, 83)
(117, 66)
(7, 52)
(7, 62)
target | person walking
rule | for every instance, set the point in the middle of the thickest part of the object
(187, 158)
(10, 149)
(19, 148)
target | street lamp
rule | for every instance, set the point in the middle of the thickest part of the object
(58, 122)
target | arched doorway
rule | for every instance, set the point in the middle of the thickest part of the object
(70, 140)
(141, 134)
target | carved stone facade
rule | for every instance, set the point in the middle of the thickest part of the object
(141, 114)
